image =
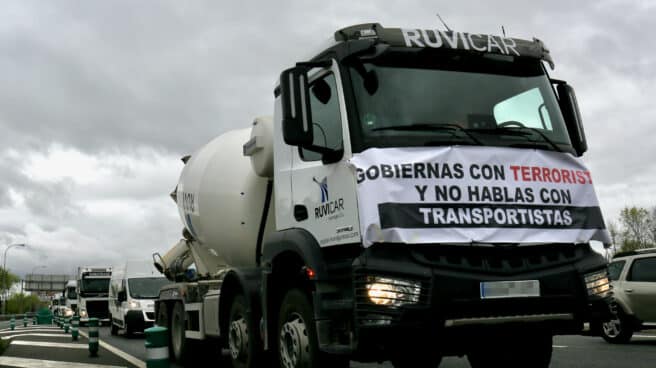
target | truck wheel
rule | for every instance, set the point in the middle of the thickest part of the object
(297, 336)
(617, 330)
(241, 341)
(519, 351)
(178, 339)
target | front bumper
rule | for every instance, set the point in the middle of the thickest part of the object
(450, 312)
(139, 320)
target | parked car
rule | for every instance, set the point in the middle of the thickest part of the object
(633, 277)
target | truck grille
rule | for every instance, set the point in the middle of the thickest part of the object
(505, 259)
(98, 309)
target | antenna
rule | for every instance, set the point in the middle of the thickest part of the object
(503, 30)
(444, 23)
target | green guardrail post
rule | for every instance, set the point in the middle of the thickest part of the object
(157, 349)
(61, 322)
(75, 325)
(24, 320)
(93, 336)
(34, 320)
(12, 323)
(67, 323)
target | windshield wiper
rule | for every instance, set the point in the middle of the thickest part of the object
(433, 127)
(522, 132)
(535, 130)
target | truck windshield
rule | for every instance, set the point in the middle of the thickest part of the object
(94, 286)
(424, 97)
(146, 287)
(71, 293)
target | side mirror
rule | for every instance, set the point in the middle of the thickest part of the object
(122, 296)
(296, 112)
(570, 109)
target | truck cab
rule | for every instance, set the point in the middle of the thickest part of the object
(93, 291)
(133, 289)
(449, 164)
(70, 297)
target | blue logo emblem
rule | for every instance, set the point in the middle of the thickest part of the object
(323, 185)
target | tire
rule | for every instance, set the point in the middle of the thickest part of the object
(162, 319)
(113, 328)
(617, 330)
(516, 350)
(243, 344)
(178, 340)
(129, 331)
(296, 337)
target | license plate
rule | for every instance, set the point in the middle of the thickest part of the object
(510, 289)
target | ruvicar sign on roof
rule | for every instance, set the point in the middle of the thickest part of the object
(475, 194)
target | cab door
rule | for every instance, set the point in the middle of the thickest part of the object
(324, 194)
(640, 288)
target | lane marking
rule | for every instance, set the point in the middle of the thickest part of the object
(646, 336)
(38, 363)
(559, 346)
(131, 359)
(36, 334)
(32, 330)
(50, 344)
(30, 327)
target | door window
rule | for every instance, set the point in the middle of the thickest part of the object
(643, 270)
(326, 118)
(615, 269)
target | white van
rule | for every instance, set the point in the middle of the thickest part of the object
(133, 289)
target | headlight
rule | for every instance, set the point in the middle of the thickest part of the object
(83, 313)
(392, 292)
(597, 283)
(134, 305)
(68, 312)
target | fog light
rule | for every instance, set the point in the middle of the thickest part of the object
(392, 292)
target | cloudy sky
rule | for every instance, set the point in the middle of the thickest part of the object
(100, 99)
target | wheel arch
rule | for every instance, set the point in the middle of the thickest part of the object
(284, 255)
(235, 282)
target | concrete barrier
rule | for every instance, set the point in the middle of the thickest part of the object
(157, 348)
(75, 325)
(93, 337)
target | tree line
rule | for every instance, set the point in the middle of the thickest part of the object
(18, 303)
(636, 229)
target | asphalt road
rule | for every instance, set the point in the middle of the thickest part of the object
(568, 352)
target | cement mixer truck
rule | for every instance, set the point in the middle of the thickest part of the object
(416, 194)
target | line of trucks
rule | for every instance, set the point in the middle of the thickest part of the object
(119, 296)
(416, 194)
